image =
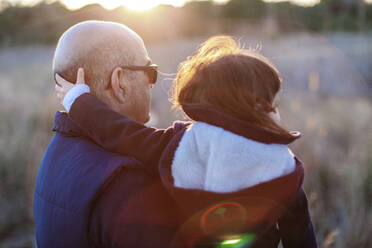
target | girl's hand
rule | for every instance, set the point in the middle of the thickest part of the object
(63, 86)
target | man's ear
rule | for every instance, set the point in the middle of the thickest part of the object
(118, 87)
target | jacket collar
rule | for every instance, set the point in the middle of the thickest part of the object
(240, 127)
(63, 124)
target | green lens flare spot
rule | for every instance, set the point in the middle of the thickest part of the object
(243, 241)
(231, 241)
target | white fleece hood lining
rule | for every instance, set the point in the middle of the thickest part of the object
(213, 159)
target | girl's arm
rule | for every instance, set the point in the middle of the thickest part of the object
(113, 131)
(117, 133)
(295, 226)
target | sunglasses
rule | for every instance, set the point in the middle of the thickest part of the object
(150, 70)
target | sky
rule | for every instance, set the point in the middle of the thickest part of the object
(142, 5)
(148, 4)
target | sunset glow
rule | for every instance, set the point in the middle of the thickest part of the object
(135, 5)
(143, 5)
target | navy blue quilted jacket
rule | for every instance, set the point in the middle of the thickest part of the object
(88, 197)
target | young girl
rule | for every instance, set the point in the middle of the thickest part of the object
(235, 181)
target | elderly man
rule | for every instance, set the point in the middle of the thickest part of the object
(86, 196)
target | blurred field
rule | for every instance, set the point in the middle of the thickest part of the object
(327, 81)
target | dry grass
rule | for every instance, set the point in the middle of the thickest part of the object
(326, 96)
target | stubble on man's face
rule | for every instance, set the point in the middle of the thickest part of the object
(137, 106)
(144, 99)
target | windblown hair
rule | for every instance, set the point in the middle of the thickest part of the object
(225, 77)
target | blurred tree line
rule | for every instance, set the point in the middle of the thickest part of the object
(44, 22)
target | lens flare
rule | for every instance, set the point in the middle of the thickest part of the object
(243, 241)
(230, 242)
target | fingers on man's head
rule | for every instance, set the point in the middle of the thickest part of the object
(80, 76)
(63, 82)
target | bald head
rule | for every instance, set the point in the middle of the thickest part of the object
(98, 47)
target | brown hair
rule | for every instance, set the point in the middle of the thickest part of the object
(239, 82)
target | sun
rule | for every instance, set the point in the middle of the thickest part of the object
(135, 5)
(141, 5)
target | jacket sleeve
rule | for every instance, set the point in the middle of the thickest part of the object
(295, 226)
(117, 133)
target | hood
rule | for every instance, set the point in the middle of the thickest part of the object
(214, 159)
(222, 154)
(228, 175)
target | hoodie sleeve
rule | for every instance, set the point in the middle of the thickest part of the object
(295, 226)
(117, 133)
